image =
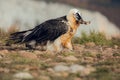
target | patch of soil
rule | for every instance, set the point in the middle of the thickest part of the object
(38, 65)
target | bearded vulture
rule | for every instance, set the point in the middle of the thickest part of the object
(55, 34)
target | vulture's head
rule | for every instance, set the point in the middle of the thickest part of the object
(74, 15)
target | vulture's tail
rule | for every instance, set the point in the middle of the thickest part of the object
(17, 37)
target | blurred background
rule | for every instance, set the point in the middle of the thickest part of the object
(103, 14)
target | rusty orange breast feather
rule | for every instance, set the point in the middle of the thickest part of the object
(65, 38)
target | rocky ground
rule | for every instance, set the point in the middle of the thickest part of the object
(85, 62)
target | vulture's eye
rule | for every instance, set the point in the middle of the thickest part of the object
(78, 17)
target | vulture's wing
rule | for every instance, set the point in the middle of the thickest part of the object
(49, 30)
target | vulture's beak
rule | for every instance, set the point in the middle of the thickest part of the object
(84, 22)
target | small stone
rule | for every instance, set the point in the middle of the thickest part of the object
(90, 59)
(35, 74)
(23, 75)
(109, 49)
(61, 68)
(5, 70)
(60, 57)
(115, 46)
(1, 57)
(66, 51)
(101, 49)
(61, 74)
(71, 58)
(77, 79)
(65, 74)
(50, 70)
(28, 55)
(57, 74)
(4, 51)
(79, 47)
(44, 78)
(76, 68)
(38, 52)
(87, 71)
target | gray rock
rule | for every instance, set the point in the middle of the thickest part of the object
(61, 68)
(76, 68)
(23, 75)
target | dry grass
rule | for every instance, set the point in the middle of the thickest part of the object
(97, 38)
(4, 35)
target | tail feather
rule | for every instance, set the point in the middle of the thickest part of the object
(18, 37)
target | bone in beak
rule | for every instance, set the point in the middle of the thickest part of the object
(85, 22)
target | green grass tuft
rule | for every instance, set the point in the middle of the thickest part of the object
(96, 37)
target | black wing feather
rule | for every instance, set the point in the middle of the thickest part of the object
(49, 30)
